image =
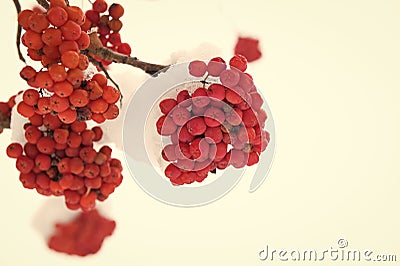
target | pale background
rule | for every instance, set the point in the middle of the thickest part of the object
(330, 73)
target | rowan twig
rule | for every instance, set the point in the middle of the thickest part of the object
(44, 4)
(99, 50)
(101, 66)
(5, 121)
(19, 31)
(96, 48)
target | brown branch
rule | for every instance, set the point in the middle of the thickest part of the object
(44, 4)
(5, 121)
(96, 48)
(19, 31)
(101, 66)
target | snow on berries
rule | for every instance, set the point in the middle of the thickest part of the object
(219, 124)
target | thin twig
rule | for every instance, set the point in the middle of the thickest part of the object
(19, 31)
(99, 50)
(101, 66)
(44, 4)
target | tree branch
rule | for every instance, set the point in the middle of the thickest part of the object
(96, 48)
(4, 121)
(19, 31)
(44, 4)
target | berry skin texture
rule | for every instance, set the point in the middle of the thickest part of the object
(116, 11)
(239, 62)
(57, 16)
(214, 117)
(200, 98)
(165, 126)
(183, 98)
(14, 150)
(216, 91)
(229, 78)
(167, 105)
(180, 116)
(196, 126)
(197, 68)
(71, 31)
(24, 164)
(99, 6)
(216, 66)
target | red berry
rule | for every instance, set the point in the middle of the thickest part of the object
(24, 164)
(182, 151)
(229, 78)
(76, 165)
(249, 118)
(32, 134)
(214, 117)
(216, 91)
(124, 48)
(239, 62)
(45, 145)
(199, 149)
(167, 105)
(234, 116)
(200, 97)
(183, 98)
(91, 170)
(172, 171)
(233, 95)
(216, 66)
(30, 97)
(213, 134)
(180, 116)
(184, 135)
(28, 180)
(256, 101)
(196, 126)
(165, 126)
(238, 158)
(116, 11)
(14, 150)
(197, 68)
(57, 16)
(43, 162)
(198, 111)
(168, 153)
(253, 158)
(99, 6)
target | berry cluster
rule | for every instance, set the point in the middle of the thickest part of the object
(82, 236)
(59, 159)
(108, 26)
(5, 113)
(215, 126)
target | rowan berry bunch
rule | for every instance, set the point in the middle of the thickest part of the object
(108, 26)
(217, 125)
(58, 157)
